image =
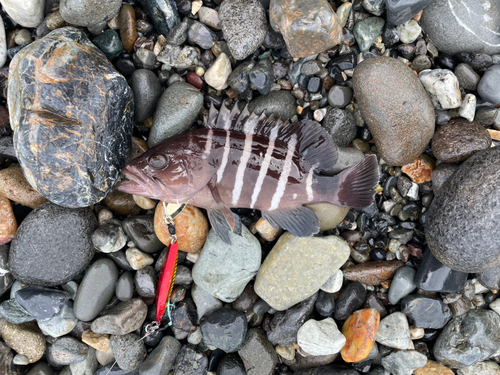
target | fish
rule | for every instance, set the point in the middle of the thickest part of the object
(244, 160)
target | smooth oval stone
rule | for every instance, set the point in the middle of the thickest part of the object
(52, 245)
(224, 329)
(175, 113)
(66, 351)
(396, 108)
(325, 304)
(426, 312)
(304, 38)
(463, 26)
(453, 216)
(88, 12)
(71, 149)
(125, 287)
(488, 85)
(147, 89)
(320, 337)
(96, 289)
(402, 284)
(341, 126)
(374, 272)
(459, 139)
(468, 339)
(360, 330)
(128, 31)
(351, 298)
(244, 25)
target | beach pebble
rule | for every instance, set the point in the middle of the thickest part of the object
(161, 360)
(320, 337)
(137, 259)
(190, 360)
(218, 74)
(25, 339)
(66, 351)
(224, 329)
(402, 284)
(487, 87)
(394, 331)
(27, 13)
(128, 357)
(404, 362)
(88, 12)
(126, 317)
(425, 312)
(257, 353)
(360, 330)
(8, 222)
(140, 229)
(109, 237)
(13, 185)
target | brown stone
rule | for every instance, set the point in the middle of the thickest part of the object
(191, 228)
(360, 331)
(395, 107)
(372, 273)
(459, 139)
(121, 203)
(25, 339)
(128, 31)
(14, 186)
(308, 27)
(8, 222)
(420, 170)
(143, 42)
(267, 231)
(433, 368)
(4, 117)
(99, 341)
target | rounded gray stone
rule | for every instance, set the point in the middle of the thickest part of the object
(278, 103)
(124, 318)
(125, 287)
(488, 86)
(341, 126)
(129, 351)
(467, 78)
(339, 96)
(147, 89)
(52, 245)
(66, 351)
(175, 113)
(88, 12)
(96, 289)
(463, 25)
(402, 284)
(465, 215)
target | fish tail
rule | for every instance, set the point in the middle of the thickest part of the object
(356, 184)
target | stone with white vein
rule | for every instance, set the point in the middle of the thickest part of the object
(27, 13)
(320, 337)
(442, 87)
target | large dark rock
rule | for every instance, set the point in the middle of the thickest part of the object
(163, 13)
(468, 339)
(52, 245)
(463, 26)
(396, 108)
(425, 312)
(463, 220)
(400, 11)
(71, 112)
(224, 328)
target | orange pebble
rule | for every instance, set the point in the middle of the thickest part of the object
(360, 330)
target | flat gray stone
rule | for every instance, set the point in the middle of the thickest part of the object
(124, 318)
(394, 331)
(161, 360)
(488, 86)
(257, 353)
(404, 362)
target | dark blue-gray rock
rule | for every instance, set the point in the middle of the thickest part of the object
(71, 148)
(350, 299)
(109, 237)
(144, 58)
(400, 11)
(147, 89)
(120, 260)
(126, 317)
(284, 326)
(231, 365)
(262, 76)
(110, 43)
(96, 289)
(129, 351)
(140, 229)
(463, 26)
(88, 12)
(14, 313)
(184, 317)
(325, 304)
(490, 278)
(238, 79)
(190, 361)
(161, 360)
(60, 324)
(488, 85)
(404, 362)
(175, 113)
(125, 287)
(273, 40)
(224, 329)
(278, 103)
(200, 35)
(425, 312)
(446, 226)
(163, 13)
(441, 174)
(145, 282)
(257, 353)
(66, 351)
(402, 284)
(434, 276)
(341, 126)
(400, 116)
(42, 303)
(40, 255)
(40, 368)
(244, 25)
(468, 339)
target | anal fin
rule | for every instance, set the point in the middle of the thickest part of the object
(299, 221)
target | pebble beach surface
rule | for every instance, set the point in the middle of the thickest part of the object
(406, 286)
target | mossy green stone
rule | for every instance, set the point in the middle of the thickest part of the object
(367, 31)
(109, 43)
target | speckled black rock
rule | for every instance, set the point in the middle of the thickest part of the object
(396, 108)
(350, 299)
(163, 13)
(71, 112)
(341, 125)
(468, 339)
(128, 350)
(224, 328)
(463, 220)
(52, 245)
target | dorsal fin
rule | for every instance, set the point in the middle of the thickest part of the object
(313, 142)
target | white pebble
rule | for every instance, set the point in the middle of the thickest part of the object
(468, 108)
(131, 244)
(409, 31)
(442, 85)
(195, 6)
(319, 114)
(3, 44)
(479, 288)
(287, 352)
(27, 13)
(137, 259)
(193, 257)
(20, 360)
(334, 283)
(320, 337)
(217, 75)
(143, 202)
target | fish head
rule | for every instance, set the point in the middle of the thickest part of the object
(167, 174)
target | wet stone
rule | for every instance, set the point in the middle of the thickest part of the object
(246, 300)
(360, 330)
(147, 89)
(140, 230)
(190, 361)
(184, 316)
(129, 351)
(425, 312)
(325, 304)
(41, 303)
(163, 14)
(231, 365)
(137, 259)
(320, 337)
(145, 282)
(262, 76)
(224, 329)
(201, 35)
(350, 299)
(238, 79)
(109, 237)
(339, 96)
(341, 125)
(14, 313)
(303, 38)
(101, 146)
(88, 12)
(109, 43)
(161, 360)
(278, 103)
(488, 84)
(219, 72)
(404, 362)
(124, 318)
(66, 351)
(400, 11)
(467, 78)
(394, 331)
(402, 284)
(257, 353)
(372, 273)
(125, 287)
(13, 185)
(39, 256)
(367, 31)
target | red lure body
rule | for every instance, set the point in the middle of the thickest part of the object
(166, 281)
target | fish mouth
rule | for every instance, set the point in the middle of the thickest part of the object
(138, 183)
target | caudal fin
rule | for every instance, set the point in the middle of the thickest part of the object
(356, 184)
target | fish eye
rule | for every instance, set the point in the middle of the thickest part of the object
(157, 161)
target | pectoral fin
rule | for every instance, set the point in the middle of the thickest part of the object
(226, 211)
(220, 225)
(299, 221)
